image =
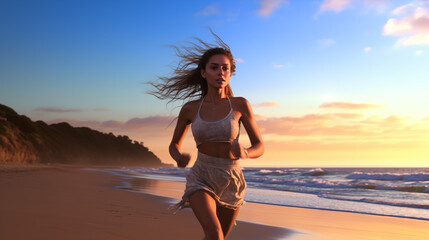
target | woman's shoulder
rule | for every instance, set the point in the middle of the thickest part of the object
(191, 104)
(240, 101)
(190, 108)
(241, 104)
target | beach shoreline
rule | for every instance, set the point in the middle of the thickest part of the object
(71, 202)
(308, 223)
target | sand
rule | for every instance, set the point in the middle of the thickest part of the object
(67, 202)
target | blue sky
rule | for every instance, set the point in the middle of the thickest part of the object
(86, 62)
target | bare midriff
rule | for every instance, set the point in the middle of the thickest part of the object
(217, 149)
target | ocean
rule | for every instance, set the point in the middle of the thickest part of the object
(399, 192)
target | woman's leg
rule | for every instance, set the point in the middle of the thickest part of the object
(226, 218)
(204, 207)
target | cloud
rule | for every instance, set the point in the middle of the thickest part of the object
(278, 66)
(326, 42)
(57, 110)
(404, 9)
(153, 124)
(325, 135)
(208, 11)
(341, 5)
(259, 116)
(101, 109)
(343, 127)
(410, 24)
(346, 105)
(378, 5)
(367, 49)
(269, 6)
(66, 110)
(266, 104)
(334, 5)
(239, 60)
(111, 124)
(419, 52)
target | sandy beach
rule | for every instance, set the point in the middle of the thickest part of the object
(68, 202)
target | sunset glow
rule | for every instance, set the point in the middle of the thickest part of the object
(332, 83)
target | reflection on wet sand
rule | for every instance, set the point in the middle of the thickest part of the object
(156, 187)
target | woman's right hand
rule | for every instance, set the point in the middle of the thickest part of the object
(183, 160)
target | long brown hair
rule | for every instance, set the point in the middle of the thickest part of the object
(186, 81)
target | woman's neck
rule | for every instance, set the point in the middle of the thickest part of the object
(215, 95)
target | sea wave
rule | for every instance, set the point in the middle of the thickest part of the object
(315, 172)
(283, 184)
(315, 183)
(271, 172)
(390, 176)
(177, 172)
(412, 188)
(376, 201)
(363, 188)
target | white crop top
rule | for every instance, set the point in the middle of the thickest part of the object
(226, 129)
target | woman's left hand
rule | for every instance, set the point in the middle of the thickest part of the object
(238, 151)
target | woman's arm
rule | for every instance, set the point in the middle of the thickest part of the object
(249, 123)
(179, 134)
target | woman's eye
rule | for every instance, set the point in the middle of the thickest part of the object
(213, 68)
(225, 68)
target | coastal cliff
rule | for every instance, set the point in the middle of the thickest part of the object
(23, 141)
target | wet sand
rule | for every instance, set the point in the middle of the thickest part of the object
(71, 203)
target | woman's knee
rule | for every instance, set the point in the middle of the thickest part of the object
(204, 208)
(213, 232)
(227, 218)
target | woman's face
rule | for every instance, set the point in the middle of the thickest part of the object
(217, 71)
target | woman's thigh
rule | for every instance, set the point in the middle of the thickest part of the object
(204, 207)
(226, 218)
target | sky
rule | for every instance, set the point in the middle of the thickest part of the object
(332, 83)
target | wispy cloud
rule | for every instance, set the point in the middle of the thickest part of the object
(239, 60)
(344, 133)
(404, 9)
(101, 109)
(259, 116)
(57, 110)
(410, 24)
(278, 66)
(208, 10)
(326, 42)
(379, 5)
(340, 128)
(150, 124)
(67, 110)
(334, 5)
(266, 104)
(341, 5)
(367, 49)
(347, 105)
(269, 6)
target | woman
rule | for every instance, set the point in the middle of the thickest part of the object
(215, 184)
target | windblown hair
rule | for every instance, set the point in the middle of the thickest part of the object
(186, 81)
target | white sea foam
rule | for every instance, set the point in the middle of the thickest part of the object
(390, 176)
(396, 192)
(312, 201)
